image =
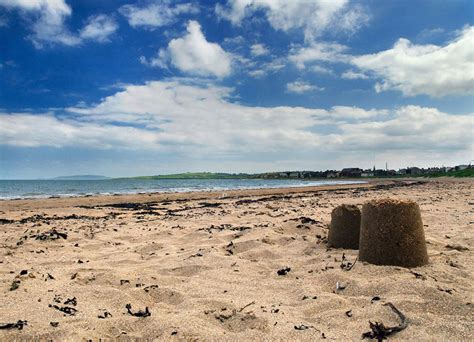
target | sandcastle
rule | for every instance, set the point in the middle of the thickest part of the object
(345, 227)
(392, 233)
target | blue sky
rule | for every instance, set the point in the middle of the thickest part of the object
(126, 88)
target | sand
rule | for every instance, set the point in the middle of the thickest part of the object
(205, 265)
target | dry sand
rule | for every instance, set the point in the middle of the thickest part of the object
(205, 265)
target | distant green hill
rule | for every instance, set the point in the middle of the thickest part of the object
(81, 177)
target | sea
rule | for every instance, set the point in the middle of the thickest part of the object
(24, 189)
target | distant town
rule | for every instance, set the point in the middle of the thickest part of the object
(351, 172)
(354, 172)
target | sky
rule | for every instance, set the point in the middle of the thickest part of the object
(123, 88)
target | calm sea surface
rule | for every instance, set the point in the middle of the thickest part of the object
(15, 189)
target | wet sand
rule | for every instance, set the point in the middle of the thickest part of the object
(234, 265)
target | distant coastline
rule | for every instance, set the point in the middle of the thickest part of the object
(81, 177)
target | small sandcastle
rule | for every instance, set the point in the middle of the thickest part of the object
(391, 233)
(345, 227)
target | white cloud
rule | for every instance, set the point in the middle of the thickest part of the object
(28, 130)
(312, 16)
(48, 24)
(300, 87)
(316, 52)
(424, 69)
(321, 70)
(157, 14)
(258, 50)
(99, 28)
(353, 75)
(257, 73)
(193, 54)
(199, 120)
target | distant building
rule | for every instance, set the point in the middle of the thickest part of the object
(413, 171)
(332, 174)
(351, 172)
(461, 167)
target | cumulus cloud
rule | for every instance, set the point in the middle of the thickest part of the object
(48, 23)
(156, 14)
(313, 17)
(258, 50)
(35, 130)
(199, 119)
(424, 69)
(321, 70)
(317, 52)
(300, 87)
(99, 28)
(194, 55)
(353, 75)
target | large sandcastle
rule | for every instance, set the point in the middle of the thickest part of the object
(345, 227)
(392, 234)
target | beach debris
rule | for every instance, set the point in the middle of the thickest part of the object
(65, 309)
(392, 233)
(17, 325)
(418, 275)
(374, 299)
(105, 314)
(68, 310)
(139, 313)
(124, 281)
(15, 285)
(348, 313)
(52, 234)
(308, 297)
(210, 205)
(150, 287)
(340, 287)
(71, 301)
(246, 306)
(23, 272)
(303, 327)
(457, 247)
(345, 227)
(448, 291)
(380, 332)
(54, 324)
(346, 265)
(284, 271)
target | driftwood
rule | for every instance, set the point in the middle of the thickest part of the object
(380, 332)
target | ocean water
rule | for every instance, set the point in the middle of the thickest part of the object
(16, 189)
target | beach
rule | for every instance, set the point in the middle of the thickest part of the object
(229, 265)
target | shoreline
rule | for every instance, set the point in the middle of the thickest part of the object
(51, 202)
(190, 190)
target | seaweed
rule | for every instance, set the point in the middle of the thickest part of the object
(139, 313)
(284, 271)
(105, 315)
(18, 325)
(380, 332)
(346, 265)
(303, 327)
(71, 301)
(65, 309)
(52, 234)
(15, 285)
